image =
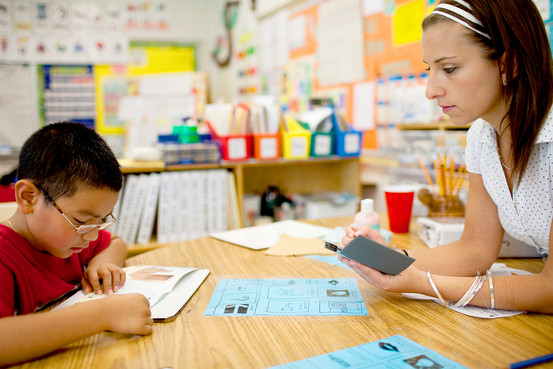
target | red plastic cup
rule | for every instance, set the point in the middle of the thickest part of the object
(399, 201)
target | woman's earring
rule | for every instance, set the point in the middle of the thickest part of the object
(504, 79)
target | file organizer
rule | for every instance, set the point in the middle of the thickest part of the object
(296, 140)
(348, 142)
(233, 147)
(322, 144)
(320, 123)
(267, 146)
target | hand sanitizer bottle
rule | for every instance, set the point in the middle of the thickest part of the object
(367, 216)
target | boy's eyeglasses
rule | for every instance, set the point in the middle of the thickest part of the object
(84, 228)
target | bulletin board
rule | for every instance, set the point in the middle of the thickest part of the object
(389, 45)
(114, 82)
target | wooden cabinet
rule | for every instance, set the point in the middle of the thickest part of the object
(302, 176)
(292, 176)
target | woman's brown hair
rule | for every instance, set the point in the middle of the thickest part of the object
(517, 37)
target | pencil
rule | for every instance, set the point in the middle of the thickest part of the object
(428, 178)
(530, 362)
(451, 171)
(459, 181)
(437, 175)
(442, 179)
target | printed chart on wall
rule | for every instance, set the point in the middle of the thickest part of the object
(67, 93)
(286, 297)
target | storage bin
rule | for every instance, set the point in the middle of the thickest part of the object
(235, 147)
(348, 142)
(322, 144)
(267, 146)
(296, 139)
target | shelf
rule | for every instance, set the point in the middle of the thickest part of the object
(440, 125)
(310, 175)
(128, 167)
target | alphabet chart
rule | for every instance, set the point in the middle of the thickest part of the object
(286, 297)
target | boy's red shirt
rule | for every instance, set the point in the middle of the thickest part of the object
(29, 278)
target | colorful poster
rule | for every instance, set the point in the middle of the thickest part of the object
(407, 22)
(161, 57)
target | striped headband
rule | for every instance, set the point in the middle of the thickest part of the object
(462, 14)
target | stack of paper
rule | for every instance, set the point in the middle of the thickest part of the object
(267, 235)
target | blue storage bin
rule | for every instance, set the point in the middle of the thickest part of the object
(348, 142)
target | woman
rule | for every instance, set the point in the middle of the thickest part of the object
(491, 65)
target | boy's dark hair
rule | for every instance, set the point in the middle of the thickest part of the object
(63, 156)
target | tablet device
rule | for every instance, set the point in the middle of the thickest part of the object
(374, 255)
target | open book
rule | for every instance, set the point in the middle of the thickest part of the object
(168, 288)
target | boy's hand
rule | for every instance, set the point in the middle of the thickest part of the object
(103, 277)
(128, 314)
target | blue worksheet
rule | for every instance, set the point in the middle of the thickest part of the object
(396, 352)
(286, 297)
(330, 259)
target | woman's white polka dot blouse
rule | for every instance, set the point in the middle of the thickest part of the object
(527, 214)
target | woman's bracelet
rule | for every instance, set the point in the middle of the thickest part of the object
(490, 282)
(466, 295)
(444, 303)
(472, 291)
(402, 250)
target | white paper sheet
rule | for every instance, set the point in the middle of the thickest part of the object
(340, 51)
(363, 105)
(265, 236)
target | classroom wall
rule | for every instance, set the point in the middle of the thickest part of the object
(341, 49)
(189, 22)
(389, 45)
(200, 23)
(308, 49)
(222, 79)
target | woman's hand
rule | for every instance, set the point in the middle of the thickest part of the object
(411, 279)
(352, 232)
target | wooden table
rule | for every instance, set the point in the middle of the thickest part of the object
(196, 341)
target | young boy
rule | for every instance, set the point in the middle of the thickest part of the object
(68, 184)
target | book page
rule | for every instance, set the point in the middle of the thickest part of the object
(154, 282)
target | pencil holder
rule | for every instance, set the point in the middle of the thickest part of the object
(441, 205)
